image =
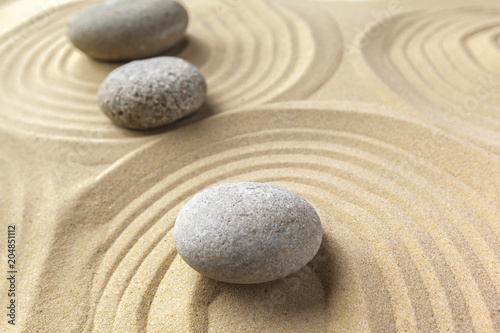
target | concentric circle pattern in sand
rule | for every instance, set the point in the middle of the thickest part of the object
(410, 238)
(250, 52)
(443, 63)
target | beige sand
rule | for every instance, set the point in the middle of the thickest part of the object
(389, 127)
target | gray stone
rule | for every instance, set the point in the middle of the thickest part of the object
(151, 93)
(128, 29)
(247, 232)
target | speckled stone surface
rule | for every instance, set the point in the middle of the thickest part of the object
(151, 93)
(247, 232)
(128, 29)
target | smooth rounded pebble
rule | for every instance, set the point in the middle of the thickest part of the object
(247, 232)
(128, 29)
(151, 93)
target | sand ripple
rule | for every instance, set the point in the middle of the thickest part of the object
(407, 191)
(443, 64)
(409, 237)
(251, 52)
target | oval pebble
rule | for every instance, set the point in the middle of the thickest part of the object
(151, 93)
(128, 29)
(247, 232)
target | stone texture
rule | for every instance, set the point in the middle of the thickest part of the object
(151, 93)
(247, 232)
(128, 29)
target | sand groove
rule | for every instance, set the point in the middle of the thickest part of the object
(250, 52)
(407, 191)
(442, 63)
(428, 249)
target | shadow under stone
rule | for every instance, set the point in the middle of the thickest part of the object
(299, 298)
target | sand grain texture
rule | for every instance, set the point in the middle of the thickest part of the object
(361, 118)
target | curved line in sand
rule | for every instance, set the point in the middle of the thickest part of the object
(254, 53)
(407, 225)
(440, 63)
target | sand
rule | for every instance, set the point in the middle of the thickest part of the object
(389, 127)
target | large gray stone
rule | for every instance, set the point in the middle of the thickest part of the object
(152, 92)
(128, 29)
(247, 232)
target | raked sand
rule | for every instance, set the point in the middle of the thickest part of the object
(388, 126)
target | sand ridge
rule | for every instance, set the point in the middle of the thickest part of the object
(442, 63)
(408, 200)
(257, 53)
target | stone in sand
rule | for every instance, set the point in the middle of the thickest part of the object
(128, 29)
(247, 232)
(151, 93)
